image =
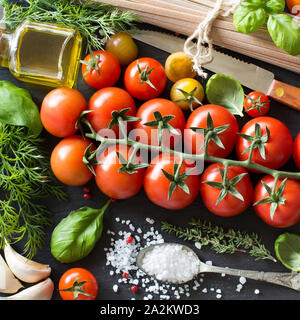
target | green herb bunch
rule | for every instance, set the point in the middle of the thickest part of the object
(25, 179)
(283, 29)
(221, 241)
(88, 17)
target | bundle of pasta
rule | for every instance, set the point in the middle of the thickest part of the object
(213, 19)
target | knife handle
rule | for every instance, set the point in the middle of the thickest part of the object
(285, 94)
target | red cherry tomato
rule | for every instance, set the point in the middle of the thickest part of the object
(296, 151)
(66, 161)
(104, 102)
(112, 182)
(78, 284)
(278, 148)
(148, 134)
(257, 104)
(230, 205)
(156, 184)
(60, 111)
(220, 116)
(145, 78)
(101, 70)
(288, 213)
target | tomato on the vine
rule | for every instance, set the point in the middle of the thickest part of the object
(226, 195)
(148, 134)
(296, 151)
(217, 123)
(145, 78)
(60, 111)
(104, 102)
(273, 142)
(101, 69)
(257, 104)
(115, 177)
(158, 182)
(78, 284)
(67, 161)
(280, 209)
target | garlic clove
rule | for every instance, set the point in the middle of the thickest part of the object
(39, 291)
(8, 282)
(23, 268)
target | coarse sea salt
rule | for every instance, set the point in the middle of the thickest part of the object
(171, 263)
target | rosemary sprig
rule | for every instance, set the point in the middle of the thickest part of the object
(221, 241)
(25, 179)
(88, 17)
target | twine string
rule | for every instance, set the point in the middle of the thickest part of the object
(201, 51)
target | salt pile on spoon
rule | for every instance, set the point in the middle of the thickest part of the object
(171, 263)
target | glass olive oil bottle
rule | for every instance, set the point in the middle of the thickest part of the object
(42, 53)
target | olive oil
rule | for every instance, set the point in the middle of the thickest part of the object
(42, 53)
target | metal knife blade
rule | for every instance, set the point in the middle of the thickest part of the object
(247, 74)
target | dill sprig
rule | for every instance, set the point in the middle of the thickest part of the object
(88, 17)
(221, 241)
(25, 179)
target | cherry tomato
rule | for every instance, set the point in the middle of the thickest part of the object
(122, 46)
(78, 284)
(178, 66)
(257, 104)
(294, 6)
(145, 78)
(104, 102)
(296, 151)
(148, 134)
(287, 213)
(60, 111)
(220, 117)
(101, 69)
(230, 205)
(188, 93)
(66, 161)
(112, 182)
(278, 147)
(156, 184)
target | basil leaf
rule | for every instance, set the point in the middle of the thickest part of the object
(227, 92)
(285, 33)
(249, 16)
(17, 108)
(76, 235)
(287, 248)
(275, 6)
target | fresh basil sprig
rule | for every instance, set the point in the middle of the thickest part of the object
(283, 29)
(76, 235)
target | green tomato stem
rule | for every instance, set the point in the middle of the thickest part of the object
(230, 162)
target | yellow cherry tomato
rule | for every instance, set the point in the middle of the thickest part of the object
(178, 66)
(123, 47)
(188, 93)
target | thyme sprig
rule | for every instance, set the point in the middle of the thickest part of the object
(88, 17)
(222, 241)
(25, 179)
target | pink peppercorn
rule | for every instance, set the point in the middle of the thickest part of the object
(129, 239)
(134, 289)
(87, 196)
(86, 189)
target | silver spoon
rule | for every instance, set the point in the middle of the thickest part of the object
(290, 280)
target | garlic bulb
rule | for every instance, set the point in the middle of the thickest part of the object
(8, 282)
(39, 291)
(23, 268)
